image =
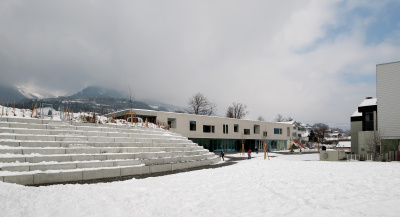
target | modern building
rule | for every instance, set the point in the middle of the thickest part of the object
(363, 125)
(388, 94)
(220, 133)
(379, 117)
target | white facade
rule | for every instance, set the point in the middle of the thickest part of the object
(200, 127)
(388, 94)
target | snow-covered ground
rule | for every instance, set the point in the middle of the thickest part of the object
(286, 185)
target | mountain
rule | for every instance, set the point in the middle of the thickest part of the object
(34, 93)
(10, 93)
(93, 91)
(155, 104)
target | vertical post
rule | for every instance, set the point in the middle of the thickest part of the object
(2, 112)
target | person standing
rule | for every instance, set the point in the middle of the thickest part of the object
(256, 150)
(249, 154)
(222, 155)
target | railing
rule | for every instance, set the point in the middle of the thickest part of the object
(389, 156)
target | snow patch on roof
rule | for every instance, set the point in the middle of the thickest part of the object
(368, 102)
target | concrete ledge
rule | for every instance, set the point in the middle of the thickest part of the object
(45, 167)
(82, 151)
(10, 151)
(16, 168)
(12, 159)
(129, 171)
(19, 179)
(43, 178)
(43, 151)
(127, 163)
(153, 161)
(1, 178)
(48, 158)
(10, 143)
(101, 173)
(94, 164)
(160, 168)
(7, 136)
(40, 144)
(4, 124)
(179, 166)
(82, 157)
(120, 156)
(7, 130)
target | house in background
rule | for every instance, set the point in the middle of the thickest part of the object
(363, 124)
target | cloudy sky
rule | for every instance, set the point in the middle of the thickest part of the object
(312, 60)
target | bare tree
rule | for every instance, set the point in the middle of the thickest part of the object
(237, 110)
(374, 143)
(279, 118)
(260, 118)
(198, 104)
(289, 118)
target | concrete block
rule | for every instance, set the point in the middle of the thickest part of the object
(127, 163)
(138, 170)
(48, 158)
(6, 130)
(160, 168)
(82, 151)
(147, 155)
(64, 176)
(95, 164)
(101, 173)
(112, 150)
(82, 157)
(71, 138)
(9, 143)
(44, 167)
(7, 136)
(19, 179)
(35, 138)
(12, 159)
(194, 164)
(124, 139)
(40, 144)
(120, 156)
(4, 124)
(179, 166)
(94, 133)
(133, 144)
(100, 139)
(137, 150)
(16, 168)
(153, 161)
(10, 151)
(43, 151)
(101, 157)
(171, 160)
(1, 178)
(117, 134)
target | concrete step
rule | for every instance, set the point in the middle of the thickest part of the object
(92, 150)
(69, 165)
(10, 158)
(59, 176)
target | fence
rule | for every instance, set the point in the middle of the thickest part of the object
(389, 156)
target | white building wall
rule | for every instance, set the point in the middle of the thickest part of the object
(183, 127)
(388, 94)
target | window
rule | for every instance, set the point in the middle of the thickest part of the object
(265, 134)
(256, 129)
(192, 125)
(236, 128)
(294, 134)
(172, 122)
(288, 131)
(225, 128)
(246, 131)
(208, 129)
(277, 131)
(368, 124)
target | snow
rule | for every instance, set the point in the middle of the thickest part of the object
(286, 185)
(344, 144)
(368, 102)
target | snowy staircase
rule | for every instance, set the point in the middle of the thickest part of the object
(34, 151)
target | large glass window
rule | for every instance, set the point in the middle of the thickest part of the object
(369, 121)
(256, 129)
(192, 125)
(172, 122)
(236, 128)
(246, 131)
(225, 128)
(277, 130)
(208, 129)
